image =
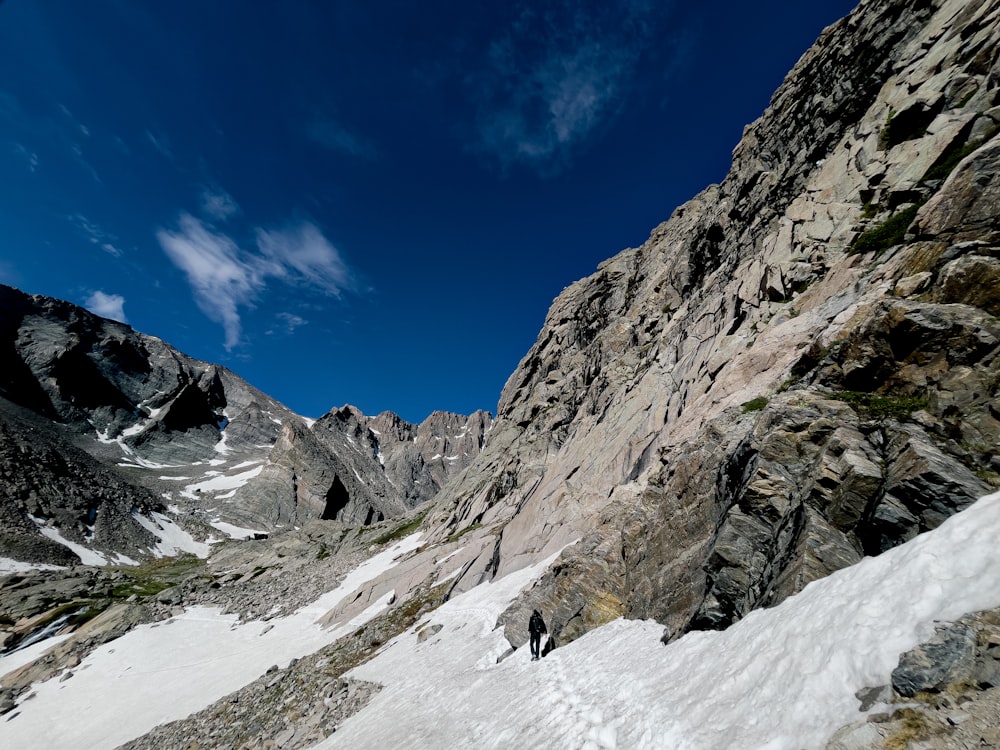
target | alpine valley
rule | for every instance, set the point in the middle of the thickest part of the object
(748, 472)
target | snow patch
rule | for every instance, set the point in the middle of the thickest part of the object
(87, 555)
(173, 540)
(234, 532)
(153, 675)
(132, 461)
(17, 659)
(220, 447)
(783, 678)
(217, 482)
(244, 464)
(9, 565)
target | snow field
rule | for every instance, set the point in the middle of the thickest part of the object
(87, 555)
(10, 565)
(165, 671)
(781, 679)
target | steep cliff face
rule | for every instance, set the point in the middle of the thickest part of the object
(51, 486)
(798, 368)
(421, 459)
(97, 376)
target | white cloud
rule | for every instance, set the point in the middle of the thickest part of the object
(221, 277)
(224, 278)
(303, 253)
(107, 306)
(554, 76)
(218, 205)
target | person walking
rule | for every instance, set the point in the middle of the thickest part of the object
(536, 626)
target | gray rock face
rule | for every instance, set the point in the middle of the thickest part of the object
(420, 459)
(48, 483)
(756, 397)
(356, 469)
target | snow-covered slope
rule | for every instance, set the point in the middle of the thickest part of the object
(780, 678)
(164, 671)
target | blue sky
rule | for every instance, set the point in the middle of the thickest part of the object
(367, 203)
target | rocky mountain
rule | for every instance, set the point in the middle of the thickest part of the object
(797, 370)
(51, 487)
(103, 425)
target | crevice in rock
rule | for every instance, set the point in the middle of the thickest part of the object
(336, 500)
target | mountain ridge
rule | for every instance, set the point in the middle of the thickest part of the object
(161, 418)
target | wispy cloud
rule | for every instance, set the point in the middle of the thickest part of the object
(555, 75)
(221, 277)
(225, 278)
(96, 235)
(335, 137)
(160, 144)
(289, 322)
(302, 254)
(30, 157)
(107, 306)
(74, 121)
(55, 133)
(218, 205)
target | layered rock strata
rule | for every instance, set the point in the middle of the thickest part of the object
(797, 369)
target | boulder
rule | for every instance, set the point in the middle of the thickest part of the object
(949, 657)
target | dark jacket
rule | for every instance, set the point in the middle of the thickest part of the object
(536, 625)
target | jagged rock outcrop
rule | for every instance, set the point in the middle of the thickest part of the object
(329, 471)
(421, 459)
(51, 486)
(797, 369)
(357, 469)
(93, 374)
